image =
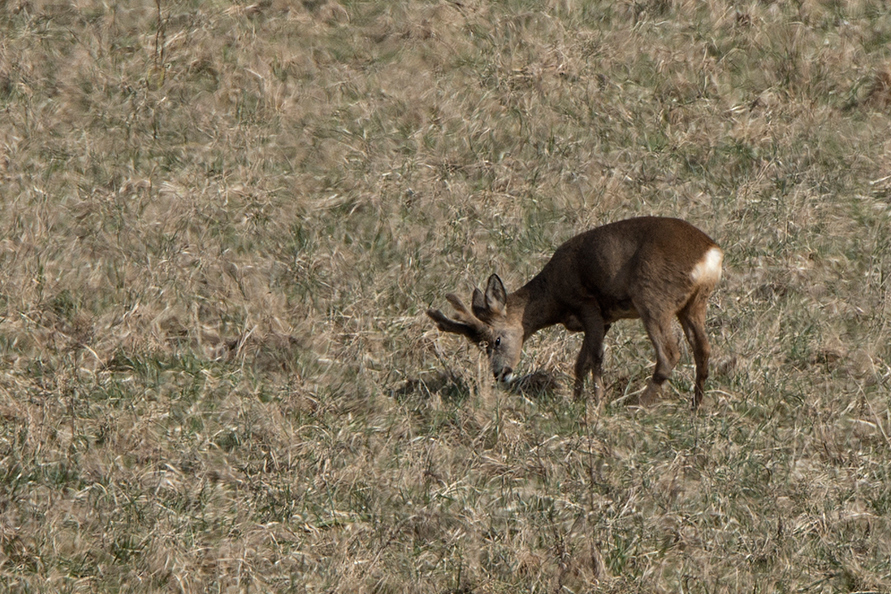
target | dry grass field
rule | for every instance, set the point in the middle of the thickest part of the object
(221, 224)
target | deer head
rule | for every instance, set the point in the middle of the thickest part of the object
(488, 324)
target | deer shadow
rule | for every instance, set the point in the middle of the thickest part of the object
(453, 388)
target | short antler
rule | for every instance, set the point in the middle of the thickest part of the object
(466, 323)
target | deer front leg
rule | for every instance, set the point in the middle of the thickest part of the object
(591, 357)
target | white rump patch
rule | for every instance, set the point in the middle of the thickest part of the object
(708, 270)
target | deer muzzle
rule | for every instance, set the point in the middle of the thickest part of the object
(505, 375)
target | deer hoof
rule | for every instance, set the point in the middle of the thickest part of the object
(647, 397)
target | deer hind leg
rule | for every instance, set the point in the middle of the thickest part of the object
(667, 354)
(590, 358)
(692, 318)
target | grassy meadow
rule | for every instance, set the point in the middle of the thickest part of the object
(221, 224)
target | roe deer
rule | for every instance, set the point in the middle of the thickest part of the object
(651, 268)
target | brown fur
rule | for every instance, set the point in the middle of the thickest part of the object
(636, 268)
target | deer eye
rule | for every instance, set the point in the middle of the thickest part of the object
(497, 342)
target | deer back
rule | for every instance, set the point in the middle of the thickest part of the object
(648, 260)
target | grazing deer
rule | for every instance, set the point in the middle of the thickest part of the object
(651, 268)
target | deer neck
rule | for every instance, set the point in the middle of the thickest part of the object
(534, 307)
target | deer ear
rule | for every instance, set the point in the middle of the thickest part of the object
(478, 304)
(496, 295)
